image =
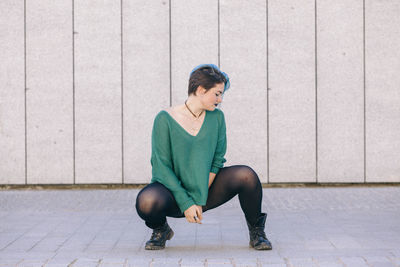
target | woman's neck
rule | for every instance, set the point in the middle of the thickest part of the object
(194, 105)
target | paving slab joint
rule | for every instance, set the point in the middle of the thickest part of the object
(72, 263)
(366, 262)
(287, 262)
(392, 260)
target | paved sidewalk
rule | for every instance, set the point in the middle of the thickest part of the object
(342, 226)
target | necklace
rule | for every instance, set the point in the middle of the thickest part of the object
(197, 117)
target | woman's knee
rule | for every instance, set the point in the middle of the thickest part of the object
(247, 176)
(147, 202)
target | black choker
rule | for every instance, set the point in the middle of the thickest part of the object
(192, 112)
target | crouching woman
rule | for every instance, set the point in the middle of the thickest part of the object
(188, 176)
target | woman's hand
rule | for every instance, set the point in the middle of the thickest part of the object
(211, 179)
(194, 214)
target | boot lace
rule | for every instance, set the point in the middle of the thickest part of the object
(157, 234)
(259, 232)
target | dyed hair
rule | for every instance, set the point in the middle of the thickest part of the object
(207, 76)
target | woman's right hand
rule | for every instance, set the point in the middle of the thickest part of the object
(194, 214)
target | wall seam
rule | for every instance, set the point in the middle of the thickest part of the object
(316, 90)
(219, 35)
(73, 94)
(122, 94)
(25, 107)
(170, 55)
(267, 70)
(365, 103)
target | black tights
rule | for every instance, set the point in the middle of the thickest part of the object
(155, 202)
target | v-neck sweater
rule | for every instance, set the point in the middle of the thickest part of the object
(182, 162)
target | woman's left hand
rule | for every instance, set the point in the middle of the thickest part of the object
(200, 213)
(194, 214)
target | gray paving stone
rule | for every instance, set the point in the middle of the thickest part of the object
(328, 261)
(32, 263)
(192, 262)
(379, 261)
(353, 261)
(301, 262)
(395, 260)
(330, 264)
(245, 262)
(159, 264)
(219, 264)
(61, 261)
(113, 260)
(344, 241)
(112, 264)
(273, 265)
(10, 261)
(218, 261)
(56, 265)
(270, 259)
(382, 264)
(165, 260)
(83, 262)
(91, 226)
(318, 244)
(138, 262)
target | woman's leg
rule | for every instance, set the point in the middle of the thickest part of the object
(154, 202)
(242, 180)
(233, 180)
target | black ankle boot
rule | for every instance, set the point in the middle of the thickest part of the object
(159, 236)
(258, 240)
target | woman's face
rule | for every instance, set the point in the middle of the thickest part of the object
(212, 97)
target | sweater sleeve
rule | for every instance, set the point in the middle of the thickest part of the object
(161, 162)
(219, 156)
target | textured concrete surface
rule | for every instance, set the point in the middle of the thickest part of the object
(345, 226)
(314, 86)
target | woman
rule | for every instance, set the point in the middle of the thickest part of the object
(188, 177)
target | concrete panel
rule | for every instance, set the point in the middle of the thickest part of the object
(98, 92)
(243, 57)
(340, 91)
(145, 81)
(12, 93)
(194, 41)
(382, 90)
(49, 95)
(291, 55)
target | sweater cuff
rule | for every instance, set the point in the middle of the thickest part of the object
(214, 169)
(184, 206)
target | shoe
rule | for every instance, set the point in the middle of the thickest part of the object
(159, 236)
(258, 240)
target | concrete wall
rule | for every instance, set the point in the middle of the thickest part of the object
(315, 94)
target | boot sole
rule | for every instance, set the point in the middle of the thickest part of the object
(261, 247)
(169, 237)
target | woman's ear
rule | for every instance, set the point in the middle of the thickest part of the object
(201, 90)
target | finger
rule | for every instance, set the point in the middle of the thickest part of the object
(197, 220)
(189, 219)
(200, 214)
(198, 217)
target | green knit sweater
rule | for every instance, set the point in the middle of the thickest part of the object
(182, 162)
